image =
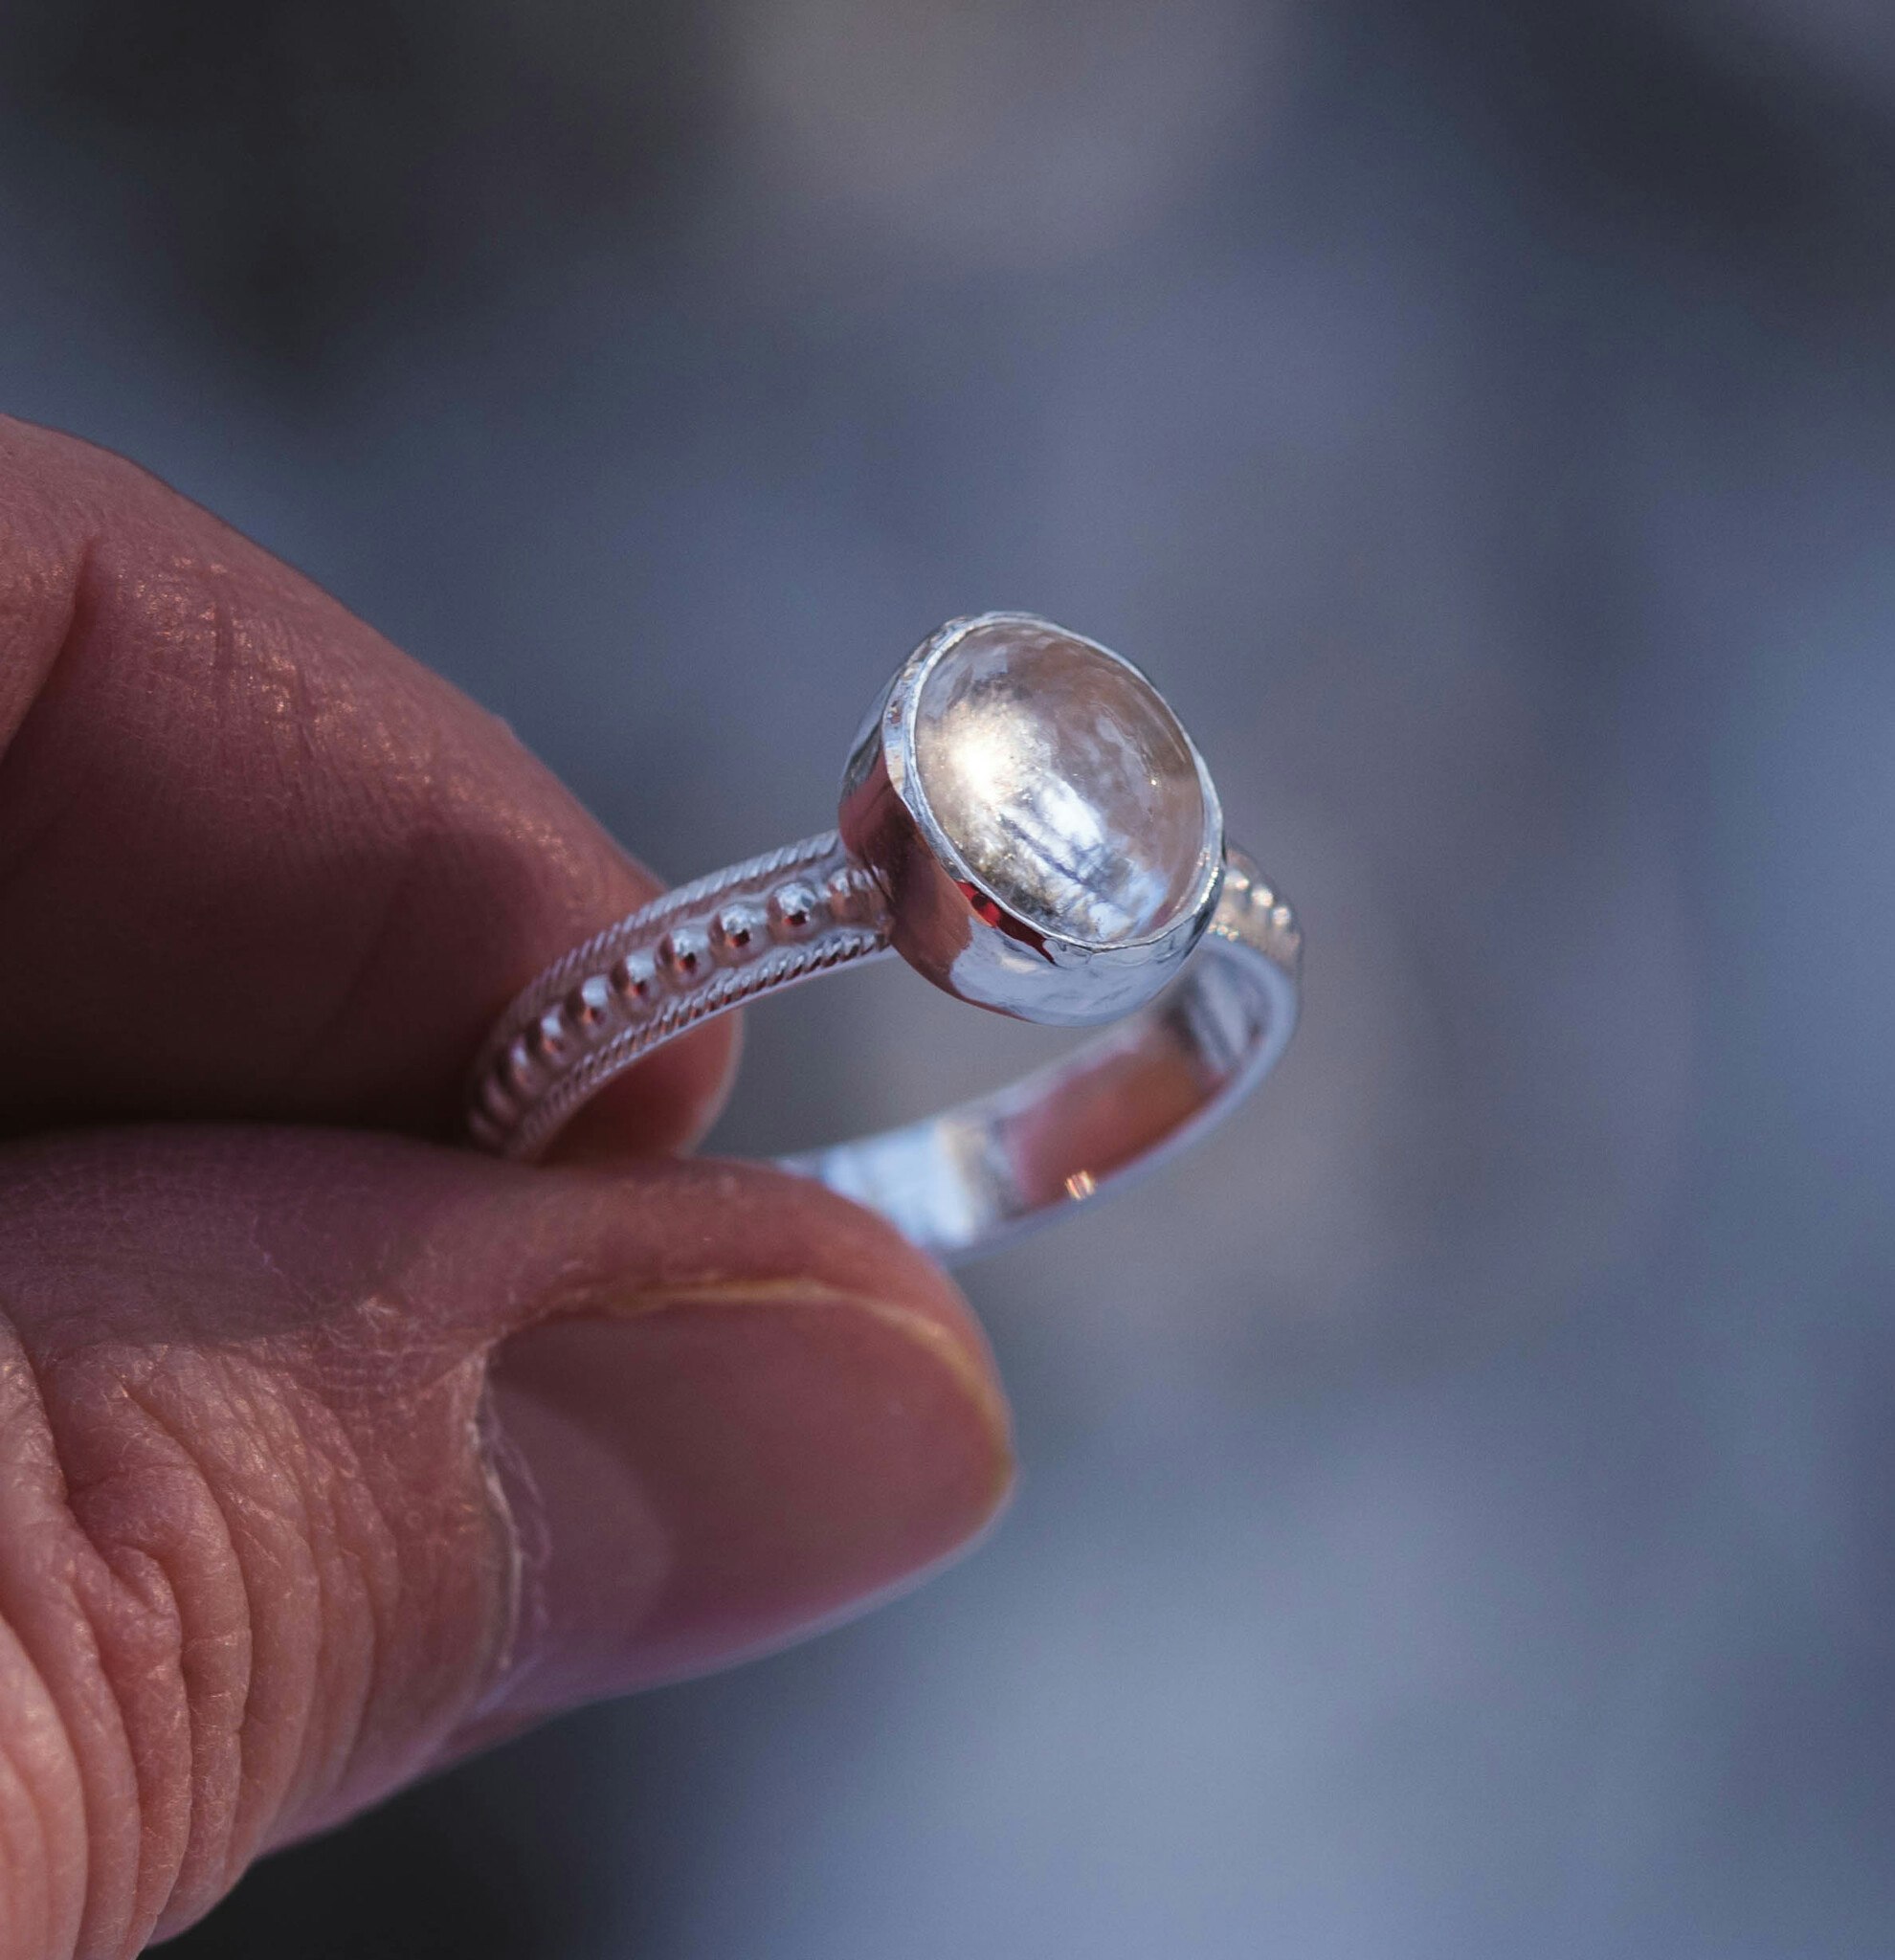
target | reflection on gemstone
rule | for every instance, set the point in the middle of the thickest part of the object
(1063, 781)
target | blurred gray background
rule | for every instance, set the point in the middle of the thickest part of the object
(1458, 1503)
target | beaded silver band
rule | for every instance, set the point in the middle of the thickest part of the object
(694, 953)
(959, 1182)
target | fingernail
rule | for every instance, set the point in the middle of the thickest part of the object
(704, 1475)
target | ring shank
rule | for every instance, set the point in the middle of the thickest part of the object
(958, 1182)
(984, 1172)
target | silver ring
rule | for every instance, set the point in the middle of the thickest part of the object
(1025, 821)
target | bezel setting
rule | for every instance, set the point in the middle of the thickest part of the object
(949, 922)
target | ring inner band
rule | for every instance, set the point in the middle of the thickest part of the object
(958, 1182)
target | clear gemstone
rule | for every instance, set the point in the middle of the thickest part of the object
(1062, 780)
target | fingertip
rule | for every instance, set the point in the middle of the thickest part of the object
(703, 1470)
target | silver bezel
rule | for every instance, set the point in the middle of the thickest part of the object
(948, 923)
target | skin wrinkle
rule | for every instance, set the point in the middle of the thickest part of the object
(209, 1830)
(145, 1610)
(23, 1813)
(166, 1825)
(342, 1676)
(66, 1660)
(353, 1710)
(25, 1923)
(348, 1776)
(226, 674)
(71, 569)
(124, 1517)
(337, 1467)
(356, 985)
(361, 1570)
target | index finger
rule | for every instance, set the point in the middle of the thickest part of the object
(254, 861)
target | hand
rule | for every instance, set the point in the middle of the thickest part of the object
(329, 1451)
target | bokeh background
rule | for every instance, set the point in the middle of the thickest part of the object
(1458, 1503)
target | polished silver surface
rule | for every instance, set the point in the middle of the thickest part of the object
(1026, 823)
(978, 1175)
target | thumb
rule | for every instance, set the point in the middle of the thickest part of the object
(327, 1457)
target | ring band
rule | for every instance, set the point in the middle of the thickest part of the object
(1217, 969)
